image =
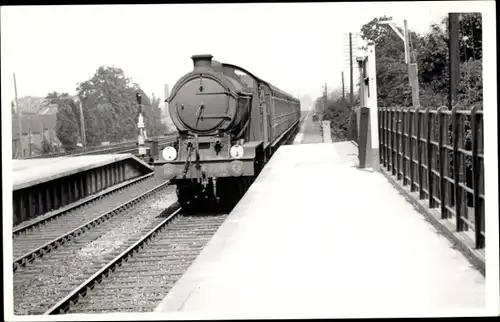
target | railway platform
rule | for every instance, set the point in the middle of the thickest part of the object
(316, 236)
(310, 132)
(41, 185)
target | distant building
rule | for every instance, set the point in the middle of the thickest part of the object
(36, 106)
(38, 121)
(35, 128)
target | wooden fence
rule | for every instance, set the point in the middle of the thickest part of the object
(439, 154)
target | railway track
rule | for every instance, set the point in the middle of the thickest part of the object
(141, 276)
(29, 225)
(80, 253)
(41, 235)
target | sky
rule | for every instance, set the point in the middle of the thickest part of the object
(297, 47)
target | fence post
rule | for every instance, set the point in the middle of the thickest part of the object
(398, 143)
(456, 169)
(419, 155)
(447, 160)
(411, 147)
(391, 119)
(381, 136)
(363, 135)
(441, 160)
(463, 170)
(404, 140)
(478, 218)
(429, 158)
(386, 139)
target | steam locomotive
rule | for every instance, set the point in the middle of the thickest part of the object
(230, 122)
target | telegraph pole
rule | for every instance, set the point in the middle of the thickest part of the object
(351, 96)
(42, 134)
(326, 98)
(454, 52)
(19, 123)
(29, 136)
(343, 90)
(82, 124)
(412, 70)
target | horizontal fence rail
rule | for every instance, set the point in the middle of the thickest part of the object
(439, 154)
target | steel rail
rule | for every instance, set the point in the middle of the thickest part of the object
(64, 305)
(65, 210)
(48, 247)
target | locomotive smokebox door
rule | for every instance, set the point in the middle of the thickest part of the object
(204, 110)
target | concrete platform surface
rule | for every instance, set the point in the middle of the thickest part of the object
(315, 236)
(310, 132)
(36, 171)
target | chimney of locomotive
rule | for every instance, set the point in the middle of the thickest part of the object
(202, 61)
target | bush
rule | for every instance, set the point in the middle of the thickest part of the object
(338, 113)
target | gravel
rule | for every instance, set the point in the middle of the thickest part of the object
(47, 280)
(145, 279)
(44, 233)
(117, 237)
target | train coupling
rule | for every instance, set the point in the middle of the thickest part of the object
(204, 183)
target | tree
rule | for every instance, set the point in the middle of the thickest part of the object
(392, 73)
(432, 58)
(336, 110)
(470, 35)
(107, 102)
(67, 127)
(55, 96)
(110, 107)
(46, 146)
(431, 52)
(386, 41)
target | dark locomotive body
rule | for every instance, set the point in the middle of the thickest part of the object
(229, 126)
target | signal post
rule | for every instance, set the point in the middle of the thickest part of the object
(367, 114)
